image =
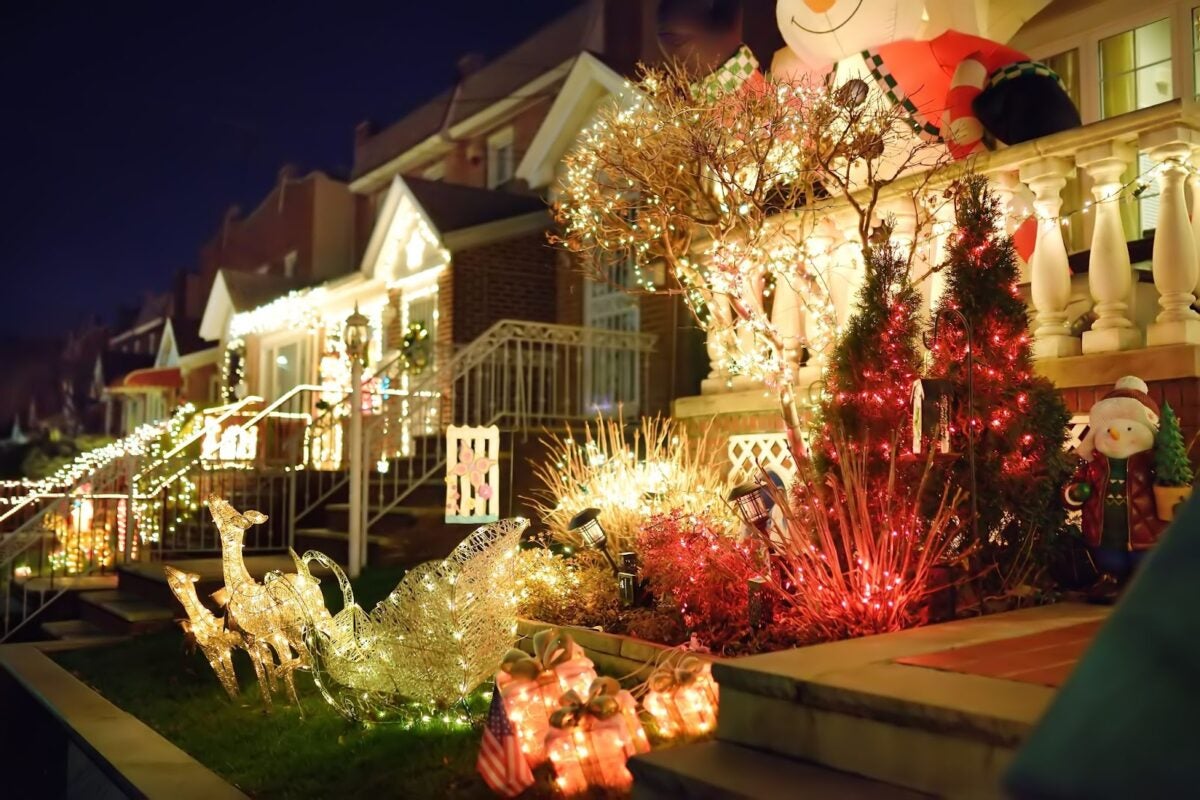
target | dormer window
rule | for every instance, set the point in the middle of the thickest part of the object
(501, 158)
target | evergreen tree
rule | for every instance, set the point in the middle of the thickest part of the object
(1019, 419)
(1171, 464)
(875, 361)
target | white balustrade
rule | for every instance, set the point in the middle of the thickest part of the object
(1174, 259)
(1050, 273)
(1110, 275)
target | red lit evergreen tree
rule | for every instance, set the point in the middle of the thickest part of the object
(873, 366)
(1018, 418)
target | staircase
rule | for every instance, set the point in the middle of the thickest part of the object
(858, 719)
(278, 458)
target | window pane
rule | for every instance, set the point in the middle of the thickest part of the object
(1153, 42)
(1118, 95)
(1066, 66)
(1116, 55)
(1154, 85)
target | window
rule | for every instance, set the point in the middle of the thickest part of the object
(1196, 50)
(1066, 66)
(501, 161)
(1135, 69)
(287, 365)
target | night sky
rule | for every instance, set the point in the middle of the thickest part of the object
(128, 128)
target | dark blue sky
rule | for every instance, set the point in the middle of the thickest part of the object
(128, 128)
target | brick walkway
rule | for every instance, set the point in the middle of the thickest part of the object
(1045, 659)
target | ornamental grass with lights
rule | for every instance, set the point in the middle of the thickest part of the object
(655, 468)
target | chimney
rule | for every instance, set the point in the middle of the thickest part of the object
(626, 31)
(362, 132)
(470, 63)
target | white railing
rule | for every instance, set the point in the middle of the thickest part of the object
(521, 376)
(1029, 179)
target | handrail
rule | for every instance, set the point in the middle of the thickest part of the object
(234, 408)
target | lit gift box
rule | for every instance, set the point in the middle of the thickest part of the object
(532, 686)
(682, 700)
(591, 739)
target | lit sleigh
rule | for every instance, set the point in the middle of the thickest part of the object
(436, 637)
(432, 641)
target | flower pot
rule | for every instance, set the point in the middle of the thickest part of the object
(1166, 498)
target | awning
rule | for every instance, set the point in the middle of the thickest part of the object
(149, 378)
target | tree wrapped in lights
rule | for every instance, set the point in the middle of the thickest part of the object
(876, 359)
(731, 193)
(1019, 420)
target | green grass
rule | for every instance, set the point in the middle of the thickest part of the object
(281, 755)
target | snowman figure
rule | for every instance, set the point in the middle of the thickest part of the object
(1114, 484)
(954, 87)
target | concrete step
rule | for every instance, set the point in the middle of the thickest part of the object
(851, 707)
(401, 519)
(336, 545)
(75, 630)
(723, 771)
(125, 613)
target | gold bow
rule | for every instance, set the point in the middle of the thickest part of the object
(601, 703)
(551, 647)
(667, 679)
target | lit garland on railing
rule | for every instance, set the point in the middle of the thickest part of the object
(183, 498)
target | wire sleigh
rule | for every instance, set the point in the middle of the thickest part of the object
(436, 637)
(439, 634)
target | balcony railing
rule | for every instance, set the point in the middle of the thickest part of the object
(1029, 179)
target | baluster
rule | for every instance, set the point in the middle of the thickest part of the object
(1049, 271)
(719, 331)
(817, 302)
(850, 269)
(1174, 260)
(1110, 276)
(788, 318)
(940, 230)
(1016, 204)
(1194, 185)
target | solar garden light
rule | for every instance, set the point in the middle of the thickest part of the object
(628, 580)
(750, 502)
(587, 524)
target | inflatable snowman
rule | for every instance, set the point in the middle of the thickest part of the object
(956, 87)
(1114, 484)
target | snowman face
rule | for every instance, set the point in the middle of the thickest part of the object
(823, 32)
(1121, 438)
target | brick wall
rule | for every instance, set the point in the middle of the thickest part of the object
(512, 279)
(1183, 394)
(678, 363)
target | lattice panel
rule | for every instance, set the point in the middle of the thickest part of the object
(472, 474)
(1077, 430)
(749, 452)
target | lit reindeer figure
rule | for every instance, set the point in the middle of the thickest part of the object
(208, 631)
(270, 617)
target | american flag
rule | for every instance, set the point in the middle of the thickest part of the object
(501, 762)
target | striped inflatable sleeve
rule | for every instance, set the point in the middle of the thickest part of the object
(961, 129)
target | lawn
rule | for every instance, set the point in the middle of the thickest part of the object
(281, 755)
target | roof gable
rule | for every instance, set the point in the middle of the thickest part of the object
(404, 240)
(588, 83)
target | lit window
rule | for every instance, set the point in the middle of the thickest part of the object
(289, 264)
(1066, 66)
(1196, 50)
(501, 161)
(1135, 69)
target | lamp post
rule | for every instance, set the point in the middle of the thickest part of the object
(356, 335)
